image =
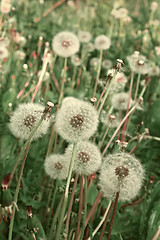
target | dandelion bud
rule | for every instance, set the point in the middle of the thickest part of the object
(76, 120)
(25, 118)
(57, 166)
(122, 173)
(87, 159)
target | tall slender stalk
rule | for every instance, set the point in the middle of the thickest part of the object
(16, 193)
(85, 206)
(102, 221)
(70, 206)
(113, 216)
(57, 237)
(62, 82)
(137, 86)
(98, 73)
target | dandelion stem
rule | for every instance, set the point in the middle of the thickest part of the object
(137, 87)
(105, 134)
(74, 76)
(52, 204)
(113, 216)
(101, 222)
(70, 206)
(123, 120)
(62, 82)
(105, 222)
(85, 206)
(16, 193)
(57, 237)
(80, 209)
(55, 219)
(107, 92)
(98, 73)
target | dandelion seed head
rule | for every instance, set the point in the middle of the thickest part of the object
(87, 159)
(138, 63)
(84, 36)
(106, 64)
(3, 52)
(65, 44)
(76, 61)
(121, 172)
(57, 166)
(102, 42)
(76, 120)
(120, 101)
(24, 119)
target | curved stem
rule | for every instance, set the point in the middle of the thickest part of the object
(137, 87)
(101, 222)
(105, 134)
(57, 237)
(62, 82)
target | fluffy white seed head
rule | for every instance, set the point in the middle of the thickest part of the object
(87, 159)
(94, 62)
(76, 120)
(102, 42)
(138, 63)
(76, 61)
(121, 172)
(3, 52)
(120, 101)
(107, 64)
(19, 54)
(109, 120)
(57, 166)
(90, 47)
(84, 36)
(24, 119)
(118, 83)
(65, 44)
(46, 76)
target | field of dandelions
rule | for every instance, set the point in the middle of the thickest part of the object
(79, 120)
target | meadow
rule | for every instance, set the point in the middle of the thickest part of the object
(79, 120)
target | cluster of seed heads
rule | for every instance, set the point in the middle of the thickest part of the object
(84, 157)
(77, 121)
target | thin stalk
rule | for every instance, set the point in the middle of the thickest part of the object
(55, 219)
(74, 76)
(77, 235)
(102, 94)
(130, 95)
(105, 134)
(52, 204)
(70, 206)
(105, 222)
(113, 216)
(101, 222)
(137, 87)
(85, 206)
(62, 82)
(98, 73)
(123, 120)
(107, 92)
(16, 193)
(57, 237)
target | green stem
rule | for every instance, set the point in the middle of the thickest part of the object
(107, 92)
(62, 82)
(16, 193)
(55, 219)
(137, 87)
(52, 204)
(57, 237)
(98, 73)
(85, 206)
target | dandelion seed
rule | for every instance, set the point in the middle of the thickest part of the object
(106, 64)
(120, 101)
(109, 120)
(57, 166)
(138, 63)
(76, 61)
(24, 119)
(84, 36)
(76, 120)
(87, 159)
(102, 42)
(65, 44)
(121, 172)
